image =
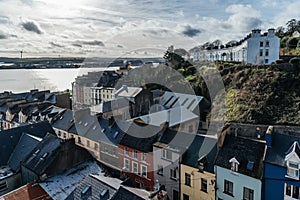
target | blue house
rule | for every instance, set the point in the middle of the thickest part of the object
(281, 166)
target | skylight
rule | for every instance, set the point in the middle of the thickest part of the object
(116, 134)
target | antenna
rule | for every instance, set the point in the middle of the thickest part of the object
(21, 54)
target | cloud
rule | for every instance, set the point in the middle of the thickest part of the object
(4, 19)
(93, 43)
(77, 45)
(119, 46)
(243, 17)
(32, 26)
(191, 32)
(56, 45)
(3, 36)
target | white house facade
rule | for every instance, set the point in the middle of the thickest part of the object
(256, 48)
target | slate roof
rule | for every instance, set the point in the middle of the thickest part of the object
(128, 92)
(53, 155)
(281, 144)
(244, 150)
(64, 120)
(63, 185)
(26, 144)
(125, 194)
(202, 149)
(188, 101)
(102, 132)
(42, 156)
(176, 140)
(10, 138)
(108, 78)
(98, 183)
(174, 116)
(140, 137)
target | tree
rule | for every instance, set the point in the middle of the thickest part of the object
(292, 26)
(280, 32)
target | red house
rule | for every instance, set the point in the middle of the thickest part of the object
(136, 156)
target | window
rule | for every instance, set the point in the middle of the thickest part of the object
(166, 154)
(126, 152)
(191, 128)
(295, 193)
(267, 43)
(186, 197)
(135, 154)
(261, 52)
(293, 170)
(173, 174)
(79, 140)
(134, 167)
(228, 187)
(160, 170)
(87, 143)
(261, 44)
(288, 189)
(65, 135)
(143, 157)
(203, 185)
(267, 61)
(3, 186)
(234, 166)
(144, 171)
(126, 164)
(292, 191)
(267, 52)
(248, 194)
(175, 195)
(95, 146)
(187, 179)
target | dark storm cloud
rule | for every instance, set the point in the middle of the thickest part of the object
(120, 46)
(3, 36)
(191, 32)
(56, 45)
(77, 45)
(32, 26)
(93, 43)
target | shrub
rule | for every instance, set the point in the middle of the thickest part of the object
(295, 61)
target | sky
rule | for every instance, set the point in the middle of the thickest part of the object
(137, 28)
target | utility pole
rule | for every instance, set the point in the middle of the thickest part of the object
(21, 54)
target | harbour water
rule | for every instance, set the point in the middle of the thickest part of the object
(21, 80)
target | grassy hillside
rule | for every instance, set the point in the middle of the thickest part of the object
(267, 95)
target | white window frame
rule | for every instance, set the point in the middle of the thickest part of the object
(165, 154)
(126, 151)
(125, 167)
(137, 167)
(292, 188)
(292, 171)
(143, 157)
(145, 167)
(135, 154)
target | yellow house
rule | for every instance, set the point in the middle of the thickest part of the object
(196, 170)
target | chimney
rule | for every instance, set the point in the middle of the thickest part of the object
(271, 32)
(269, 136)
(256, 33)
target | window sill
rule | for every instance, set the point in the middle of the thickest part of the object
(292, 177)
(174, 179)
(229, 194)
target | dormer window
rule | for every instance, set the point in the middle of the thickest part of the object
(234, 164)
(293, 161)
(293, 170)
